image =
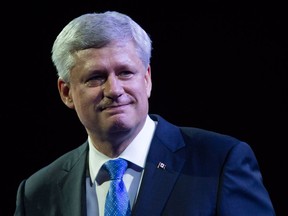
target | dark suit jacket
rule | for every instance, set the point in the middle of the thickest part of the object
(205, 174)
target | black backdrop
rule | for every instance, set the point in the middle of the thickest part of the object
(216, 65)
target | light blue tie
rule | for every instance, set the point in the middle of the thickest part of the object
(117, 200)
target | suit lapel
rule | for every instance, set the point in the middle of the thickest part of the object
(163, 165)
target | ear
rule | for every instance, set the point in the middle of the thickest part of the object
(148, 81)
(65, 93)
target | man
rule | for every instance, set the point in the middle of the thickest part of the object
(103, 65)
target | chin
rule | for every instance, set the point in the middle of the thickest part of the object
(121, 121)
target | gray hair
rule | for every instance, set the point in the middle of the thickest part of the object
(96, 30)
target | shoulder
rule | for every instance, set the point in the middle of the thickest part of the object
(200, 135)
(215, 150)
(59, 167)
(197, 141)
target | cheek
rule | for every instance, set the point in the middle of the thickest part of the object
(145, 92)
(83, 98)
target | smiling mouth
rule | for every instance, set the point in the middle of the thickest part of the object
(113, 107)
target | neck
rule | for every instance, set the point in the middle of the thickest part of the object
(114, 144)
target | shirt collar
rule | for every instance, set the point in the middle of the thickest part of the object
(136, 152)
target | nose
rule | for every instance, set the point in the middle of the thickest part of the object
(112, 88)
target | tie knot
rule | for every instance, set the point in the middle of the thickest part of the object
(116, 168)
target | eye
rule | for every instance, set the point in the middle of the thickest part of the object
(125, 74)
(96, 80)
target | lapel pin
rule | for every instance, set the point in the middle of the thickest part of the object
(161, 165)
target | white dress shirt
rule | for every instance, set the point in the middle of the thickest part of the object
(136, 153)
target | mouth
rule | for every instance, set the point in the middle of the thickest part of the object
(113, 106)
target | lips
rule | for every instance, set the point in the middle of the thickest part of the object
(112, 106)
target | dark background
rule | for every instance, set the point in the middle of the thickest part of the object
(216, 65)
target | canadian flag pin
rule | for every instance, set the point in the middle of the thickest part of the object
(161, 165)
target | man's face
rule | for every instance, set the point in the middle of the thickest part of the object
(109, 89)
